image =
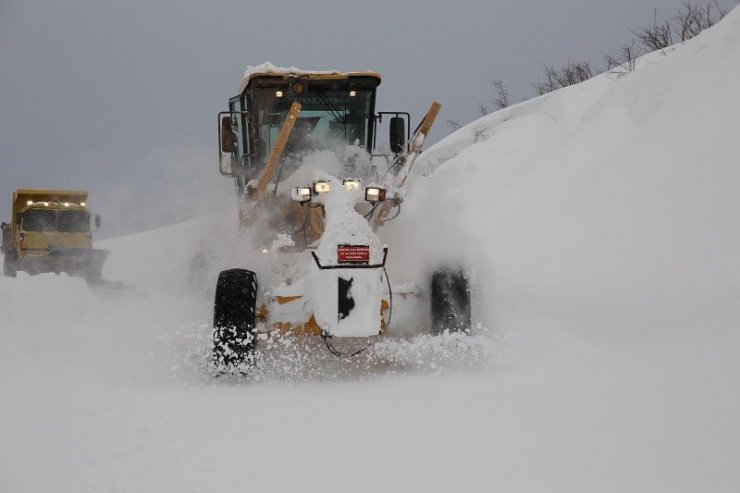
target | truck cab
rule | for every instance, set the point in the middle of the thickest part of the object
(337, 114)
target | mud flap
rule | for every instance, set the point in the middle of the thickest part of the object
(351, 306)
(345, 301)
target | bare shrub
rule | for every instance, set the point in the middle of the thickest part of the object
(570, 74)
(657, 36)
(454, 125)
(500, 98)
(693, 18)
(549, 84)
(689, 20)
(625, 62)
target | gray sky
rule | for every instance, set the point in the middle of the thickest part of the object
(121, 97)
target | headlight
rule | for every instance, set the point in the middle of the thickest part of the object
(321, 186)
(352, 184)
(300, 194)
(375, 194)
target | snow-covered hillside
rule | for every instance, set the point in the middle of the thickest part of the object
(600, 222)
(610, 205)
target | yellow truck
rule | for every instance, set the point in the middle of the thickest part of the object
(51, 231)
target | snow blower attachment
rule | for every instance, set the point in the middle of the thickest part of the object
(313, 196)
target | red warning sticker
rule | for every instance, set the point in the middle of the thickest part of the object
(353, 254)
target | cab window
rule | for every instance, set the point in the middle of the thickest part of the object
(73, 221)
(39, 220)
(329, 119)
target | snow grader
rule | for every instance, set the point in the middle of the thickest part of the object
(314, 193)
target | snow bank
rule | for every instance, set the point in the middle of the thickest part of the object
(605, 206)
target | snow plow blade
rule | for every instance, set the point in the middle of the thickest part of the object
(78, 262)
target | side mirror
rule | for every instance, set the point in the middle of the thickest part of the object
(98, 222)
(228, 145)
(397, 134)
(18, 217)
(228, 135)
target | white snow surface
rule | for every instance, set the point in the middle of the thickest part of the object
(600, 225)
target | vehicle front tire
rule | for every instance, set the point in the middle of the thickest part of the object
(450, 301)
(234, 317)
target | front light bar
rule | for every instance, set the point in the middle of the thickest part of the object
(375, 194)
(300, 194)
(321, 186)
(352, 184)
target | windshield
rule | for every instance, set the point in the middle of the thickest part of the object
(73, 221)
(330, 119)
(39, 220)
(51, 220)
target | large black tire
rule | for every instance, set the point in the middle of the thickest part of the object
(234, 317)
(10, 264)
(450, 300)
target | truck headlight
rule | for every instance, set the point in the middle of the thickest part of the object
(321, 186)
(300, 194)
(352, 184)
(375, 194)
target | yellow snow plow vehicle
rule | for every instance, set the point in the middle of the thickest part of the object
(51, 231)
(314, 193)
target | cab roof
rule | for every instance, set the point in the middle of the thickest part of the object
(268, 69)
(22, 196)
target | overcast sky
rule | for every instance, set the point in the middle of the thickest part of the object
(121, 98)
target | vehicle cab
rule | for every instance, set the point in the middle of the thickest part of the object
(337, 114)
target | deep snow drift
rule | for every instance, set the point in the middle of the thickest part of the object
(601, 221)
